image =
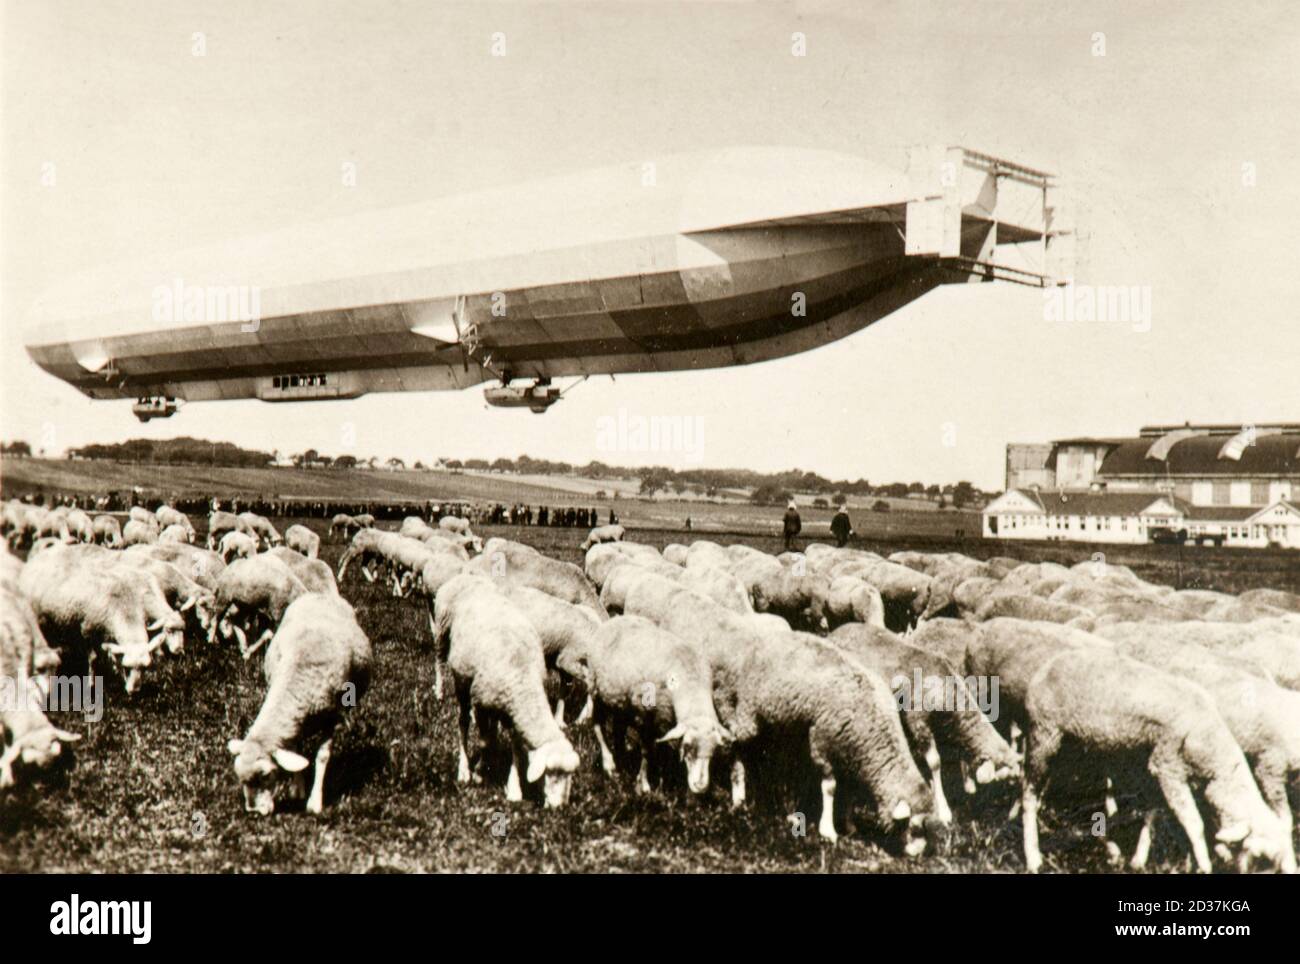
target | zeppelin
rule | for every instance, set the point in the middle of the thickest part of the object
(687, 262)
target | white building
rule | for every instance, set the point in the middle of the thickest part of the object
(1137, 517)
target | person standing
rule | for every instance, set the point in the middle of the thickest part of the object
(841, 527)
(791, 525)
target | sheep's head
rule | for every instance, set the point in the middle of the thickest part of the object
(557, 762)
(40, 748)
(132, 660)
(259, 771)
(1253, 847)
(168, 630)
(699, 740)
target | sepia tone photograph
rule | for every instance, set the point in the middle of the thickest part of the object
(648, 438)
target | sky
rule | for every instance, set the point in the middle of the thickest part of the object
(1174, 125)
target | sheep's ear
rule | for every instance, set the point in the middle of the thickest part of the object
(235, 747)
(288, 760)
(1234, 833)
(536, 765)
(676, 733)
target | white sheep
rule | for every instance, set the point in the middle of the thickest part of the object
(342, 522)
(702, 552)
(1117, 707)
(260, 525)
(566, 633)
(719, 585)
(316, 668)
(455, 524)
(202, 565)
(499, 672)
(676, 553)
(1268, 647)
(260, 590)
(236, 545)
(303, 540)
(175, 533)
(600, 559)
(854, 600)
(26, 734)
(137, 533)
(603, 534)
(646, 679)
(507, 563)
(621, 578)
(167, 516)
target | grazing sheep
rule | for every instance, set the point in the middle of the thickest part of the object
(342, 522)
(413, 527)
(315, 575)
(137, 533)
(566, 633)
(969, 594)
(24, 648)
(26, 734)
(202, 565)
(316, 667)
(405, 558)
(83, 607)
(940, 708)
(303, 540)
(439, 540)
(1263, 718)
(1275, 598)
(455, 524)
(702, 552)
(1019, 605)
(167, 516)
(1274, 654)
(854, 600)
(140, 514)
(237, 545)
(603, 534)
(80, 526)
(676, 553)
(1119, 709)
(802, 600)
(750, 570)
(220, 523)
(905, 592)
(189, 598)
(649, 680)
(563, 580)
(803, 693)
(719, 585)
(365, 520)
(366, 545)
(602, 558)
(175, 533)
(499, 672)
(259, 589)
(261, 527)
(10, 568)
(619, 580)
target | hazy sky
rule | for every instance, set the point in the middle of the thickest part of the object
(1182, 136)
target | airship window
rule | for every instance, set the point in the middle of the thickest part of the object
(293, 381)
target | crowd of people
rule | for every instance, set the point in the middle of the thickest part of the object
(478, 513)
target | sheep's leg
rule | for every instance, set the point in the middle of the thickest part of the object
(1143, 848)
(967, 781)
(298, 786)
(1271, 775)
(462, 733)
(1173, 784)
(932, 760)
(559, 714)
(1041, 745)
(643, 773)
(606, 756)
(316, 802)
(826, 825)
(437, 659)
(514, 791)
(588, 710)
(1112, 807)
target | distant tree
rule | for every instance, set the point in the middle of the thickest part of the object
(768, 494)
(820, 503)
(963, 493)
(503, 465)
(880, 505)
(395, 463)
(652, 481)
(840, 499)
(418, 465)
(455, 465)
(18, 448)
(345, 462)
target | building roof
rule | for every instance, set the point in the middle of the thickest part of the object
(1057, 503)
(1207, 455)
(1222, 513)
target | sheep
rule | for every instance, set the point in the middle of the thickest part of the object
(1263, 718)
(621, 578)
(261, 589)
(167, 516)
(506, 563)
(365, 545)
(344, 523)
(190, 599)
(719, 585)
(24, 645)
(676, 553)
(26, 734)
(140, 514)
(108, 531)
(801, 599)
(80, 526)
(750, 570)
(853, 600)
(803, 693)
(969, 594)
(705, 553)
(498, 670)
(603, 534)
(220, 523)
(303, 540)
(566, 631)
(906, 593)
(1272, 597)
(448, 542)
(237, 545)
(413, 527)
(261, 527)
(941, 725)
(315, 575)
(455, 524)
(16, 523)
(317, 666)
(647, 679)
(136, 533)
(10, 567)
(174, 533)
(202, 565)
(1019, 605)
(600, 559)
(84, 607)
(1273, 653)
(1116, 707)
(405, 558)
(365, 520)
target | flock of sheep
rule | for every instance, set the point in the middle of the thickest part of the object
(853, 683)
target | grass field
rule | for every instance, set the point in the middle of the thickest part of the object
(153, 787)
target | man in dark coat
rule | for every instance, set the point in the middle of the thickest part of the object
(791, 525)
(841, 528)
